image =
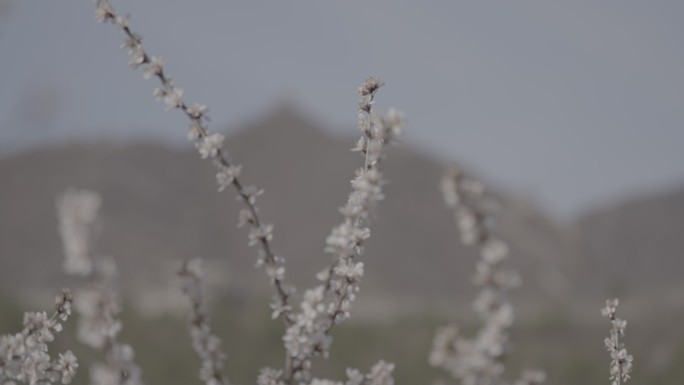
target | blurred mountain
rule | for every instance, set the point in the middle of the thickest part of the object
(637, 244)
(161, 206)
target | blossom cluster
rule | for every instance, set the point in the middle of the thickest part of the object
(24, 356)
(380, 374)
(206, 344)
(329, 303)
(621, 361)
(97, 305)
(479, 360)
(97, 302)
(210, 146)
(77, 212)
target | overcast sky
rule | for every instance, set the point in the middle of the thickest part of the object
(577, 103)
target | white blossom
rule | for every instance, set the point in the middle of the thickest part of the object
(227, 175)
(494, 250)
(381, 374)
(172, 97)
(354, 377)
(610, 308)
(250, 193)
(159, 93)
(67, 365)
(137, 56)
(395, 121)
(323, 275)
(350, 270)
(104, 12)
(210, 145)
(121, 21)
(154, 67)
(62, 305)
(278, 308)
(360, 145)
(133, 41)
(261, 233)
(275, 273)
(195, 130)
(370, 85)
(198, 111)
(245, 217)
(269, 376)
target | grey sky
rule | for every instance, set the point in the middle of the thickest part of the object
(578, 103)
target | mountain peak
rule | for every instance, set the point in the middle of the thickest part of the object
(285, 121)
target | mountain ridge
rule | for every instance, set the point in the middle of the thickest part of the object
(161, 206)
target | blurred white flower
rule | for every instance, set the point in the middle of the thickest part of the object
(77, 211)
(103, 11)
(137, 56)
(67, 365)
(381, 374)
(226, 175)
(269, 376)
(261, 233)
(197, 111)
(154, 67)
(172, 97)
(210, 145)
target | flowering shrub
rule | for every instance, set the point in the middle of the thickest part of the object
(308, 319)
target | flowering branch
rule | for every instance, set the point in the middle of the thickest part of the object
(621, 363)
(307, 332)
(24, 356)
(209, 146)
(309, 335)
(97, 303)
(479, 360)
(206, 344)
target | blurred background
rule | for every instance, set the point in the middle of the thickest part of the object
(570, 111)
